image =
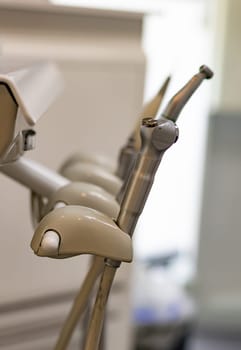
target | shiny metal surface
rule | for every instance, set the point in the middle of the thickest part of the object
(155, 141)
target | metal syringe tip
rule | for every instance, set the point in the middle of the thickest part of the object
(151, 108)
(164, 86)
(206, 71)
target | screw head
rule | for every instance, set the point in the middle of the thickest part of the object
(149, 122)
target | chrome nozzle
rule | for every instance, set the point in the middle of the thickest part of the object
(151, 108)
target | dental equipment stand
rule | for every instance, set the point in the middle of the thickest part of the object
(73, 229)
(157, 137)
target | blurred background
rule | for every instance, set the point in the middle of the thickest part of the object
(183, 290)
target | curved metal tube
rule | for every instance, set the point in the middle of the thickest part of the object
(179, 100)
(97, 317)
(80, 303)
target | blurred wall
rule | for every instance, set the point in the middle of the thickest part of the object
(219, 261)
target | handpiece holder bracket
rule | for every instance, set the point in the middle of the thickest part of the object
(25, 94)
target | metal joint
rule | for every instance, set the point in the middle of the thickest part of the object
(112, 263)
(164, 135)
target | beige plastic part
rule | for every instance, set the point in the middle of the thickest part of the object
(93, 174)
(26, 92)
(83, 231)
(89, 158)
(34, 87)
(87, 195)
(8, 113)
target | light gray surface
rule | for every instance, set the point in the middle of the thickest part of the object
(215, 342)
(218, 271)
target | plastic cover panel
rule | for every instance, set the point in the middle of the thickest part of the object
(34, 87)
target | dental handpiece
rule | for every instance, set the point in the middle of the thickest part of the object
(157, 136)
(130, 149)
